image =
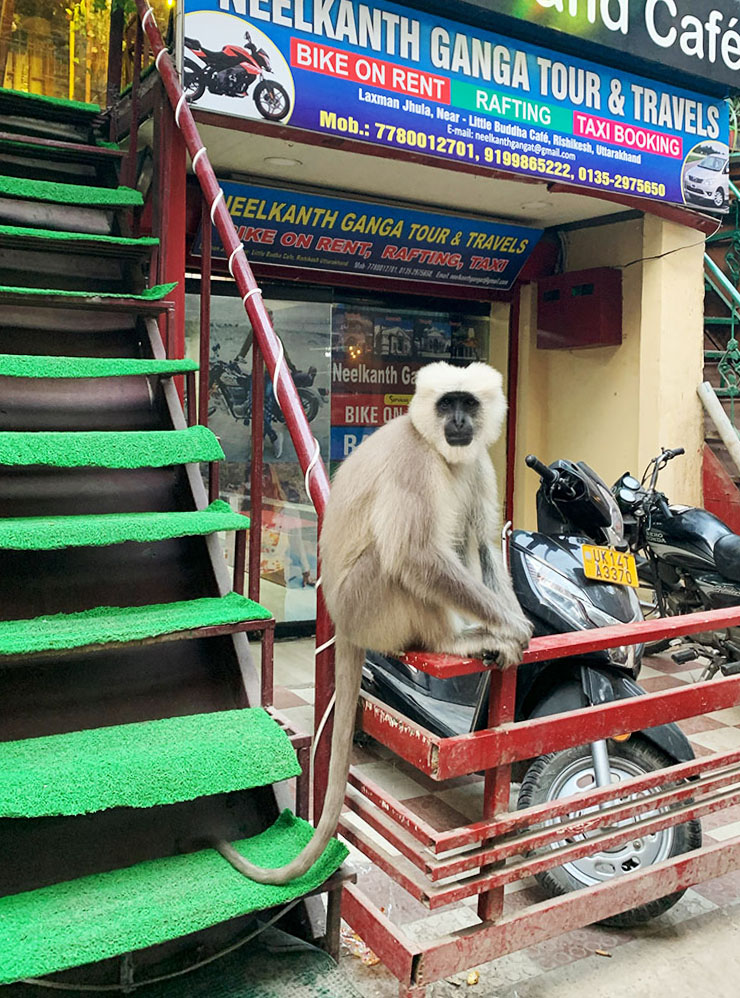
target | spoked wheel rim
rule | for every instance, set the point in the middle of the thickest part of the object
(635, 854)
(273, 101)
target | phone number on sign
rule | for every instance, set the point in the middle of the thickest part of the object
(413, 139)
(620, 182)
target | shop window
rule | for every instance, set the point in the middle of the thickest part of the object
(354, 363)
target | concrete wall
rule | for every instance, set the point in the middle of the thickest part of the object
(613, 407)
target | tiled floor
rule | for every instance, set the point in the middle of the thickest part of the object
(544, 970)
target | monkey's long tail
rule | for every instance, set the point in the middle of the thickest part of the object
(349, 660)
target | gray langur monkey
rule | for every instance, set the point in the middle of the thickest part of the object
(409, 557)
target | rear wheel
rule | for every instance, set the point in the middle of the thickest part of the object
(272, 100)
(562, 774)
(192, 81)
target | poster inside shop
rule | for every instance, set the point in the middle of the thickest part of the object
(376, 353)
(293, 229)
(397, 77)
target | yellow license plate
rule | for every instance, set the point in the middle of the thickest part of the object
(608, 565)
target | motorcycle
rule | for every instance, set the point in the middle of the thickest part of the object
(231, 386)
(547, 570)
(231, 72)
(688, 557)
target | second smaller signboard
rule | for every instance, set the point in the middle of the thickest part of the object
(293, 229)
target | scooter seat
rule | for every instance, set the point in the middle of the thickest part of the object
(727, 557)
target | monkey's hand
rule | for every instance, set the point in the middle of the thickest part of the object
(521, 628)
(508, 653)
(510, 641)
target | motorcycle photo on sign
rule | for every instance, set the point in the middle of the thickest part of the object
(228, 58)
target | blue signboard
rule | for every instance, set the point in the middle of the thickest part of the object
(397, 77)
(292, 229)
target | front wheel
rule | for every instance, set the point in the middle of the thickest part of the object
(719, 198)
(562, 774)
(192, 81)
(310, 406)
(272, 100)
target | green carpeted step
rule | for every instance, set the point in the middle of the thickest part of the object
(32, 366)
(144, 764)
(157, 293)
(81, 921)
(17, 232)
(48, 533)
(77, 194)
(124, 624)
(41, 102)
(109, 448)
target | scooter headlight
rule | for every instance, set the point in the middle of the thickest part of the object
(565, 597)
(567, 600)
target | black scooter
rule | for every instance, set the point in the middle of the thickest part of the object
(549, 575)
(688, 557)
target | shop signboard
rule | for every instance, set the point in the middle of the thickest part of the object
(295, 229)
(400, 78)
(700, 38)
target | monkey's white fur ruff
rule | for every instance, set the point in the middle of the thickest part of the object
(435, 380)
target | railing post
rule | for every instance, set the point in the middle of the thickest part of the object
(323, 688)
(190, 393)
(115, 54)
(256, 471)
(205, 313)
(169, 189)
(133, 135)
(501, 703)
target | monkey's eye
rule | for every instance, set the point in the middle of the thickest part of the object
(444, 404)
(470, 404)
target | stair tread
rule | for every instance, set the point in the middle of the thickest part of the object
(50, 533)
(38, 366)
(76, 194)
(105, 625)
(109, 448)
(123, 910)
(41, 103)
(10, 234)
(144, 764)
(156, 293)
(60, 149)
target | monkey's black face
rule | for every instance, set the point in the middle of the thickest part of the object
(459, 413)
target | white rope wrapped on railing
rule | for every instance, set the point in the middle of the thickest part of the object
(178, 109)
(311, 465)
(237, 249)
(214, 204)
(201, 152)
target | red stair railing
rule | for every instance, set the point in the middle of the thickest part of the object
(267, 348)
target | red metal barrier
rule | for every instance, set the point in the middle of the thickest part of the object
(505, 847)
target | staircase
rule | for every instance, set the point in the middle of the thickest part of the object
(127, 739)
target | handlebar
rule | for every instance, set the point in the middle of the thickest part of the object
(676, 452)
(545, 473)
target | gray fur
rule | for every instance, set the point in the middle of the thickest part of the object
(409, 559)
